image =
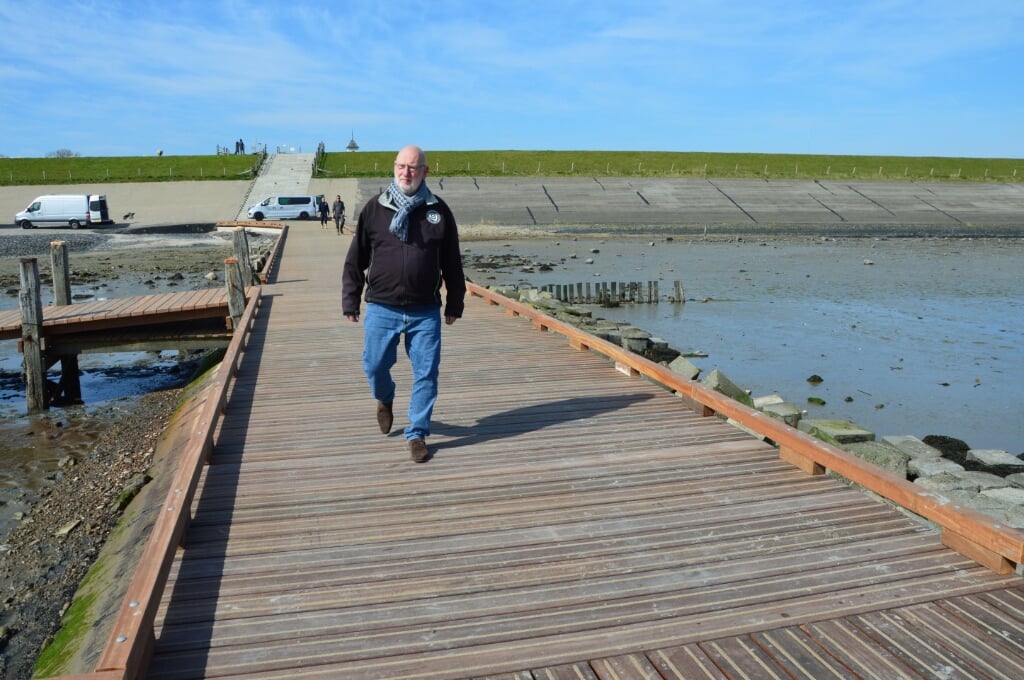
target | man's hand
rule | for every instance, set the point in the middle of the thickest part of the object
(354, 318)
(449, 320)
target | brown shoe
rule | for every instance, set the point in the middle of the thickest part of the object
(418, 449)
(384, 416)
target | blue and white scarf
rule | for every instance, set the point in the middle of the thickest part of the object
(406, 204)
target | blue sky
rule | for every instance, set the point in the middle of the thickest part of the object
(885, 77)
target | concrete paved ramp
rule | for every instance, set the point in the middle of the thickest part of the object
(739, 205)
(282, 173)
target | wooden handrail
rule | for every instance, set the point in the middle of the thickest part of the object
(264, 273)
(967, 531)
(274, 256)
(130, 643)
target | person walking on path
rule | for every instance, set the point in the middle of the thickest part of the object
(406, 244)
(325, 213)
(339, 214)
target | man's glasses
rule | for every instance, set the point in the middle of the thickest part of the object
(401, 167)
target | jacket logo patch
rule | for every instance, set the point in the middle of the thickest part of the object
(433, 217)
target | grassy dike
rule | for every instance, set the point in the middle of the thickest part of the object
(113, 169)
(665, 164)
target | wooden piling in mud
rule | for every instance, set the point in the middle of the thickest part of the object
(610, 294)
(31, 335)
(69, 390)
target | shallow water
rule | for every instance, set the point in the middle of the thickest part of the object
(911, 336)
(32, 447)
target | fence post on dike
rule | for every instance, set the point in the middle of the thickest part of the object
(31, 332)
(70, 383)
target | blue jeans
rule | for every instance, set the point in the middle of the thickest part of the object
(384, 326)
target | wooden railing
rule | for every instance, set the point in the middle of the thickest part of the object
(969, 532)
(265, 271)
(130, 642)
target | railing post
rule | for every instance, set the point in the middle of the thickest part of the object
(236, 290)
(70, 391)
(31, 336)
(241, 249)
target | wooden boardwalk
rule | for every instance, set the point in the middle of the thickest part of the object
(574, 522)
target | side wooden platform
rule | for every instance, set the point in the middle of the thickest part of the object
(123, 312)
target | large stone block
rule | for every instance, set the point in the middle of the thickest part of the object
(996, 461)
(945, 482)
(784, 411)
(762, 401)
(1006, 494)
(984, 480)
(684, 367)
(929, 467)
(1010, 514)
(716, 381)
(635, 339)
(836, 432)
(885, 456)
(913, 446)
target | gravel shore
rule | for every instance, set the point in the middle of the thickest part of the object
(48, 554)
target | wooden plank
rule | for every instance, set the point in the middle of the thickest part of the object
(349, 636)
(915, 648)
(576, 671)
(981, 554)
(805, 463)
(742, 657)
(625, 666)
(649, 570)
(859, 652)
(799, 655)
(983, 613)
(988, 655)
(430, 557)
(686, 662)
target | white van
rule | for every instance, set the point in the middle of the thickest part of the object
(285, 208)
(72, 210)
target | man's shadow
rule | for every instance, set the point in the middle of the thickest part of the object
(532, 418)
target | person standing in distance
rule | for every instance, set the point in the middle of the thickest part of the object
(338, 208)
(406, 244)
(325, 212)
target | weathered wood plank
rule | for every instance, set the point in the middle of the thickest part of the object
(687, 662)
(799, 655)
(123, 312)
(855, 650)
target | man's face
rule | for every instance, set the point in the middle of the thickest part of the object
(409, 171)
